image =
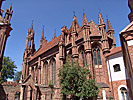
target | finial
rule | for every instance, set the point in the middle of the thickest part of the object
(74, 13)
(43, 26)
(107, 16)
(54, 30)
(83, 10)
(32, 21)
(99, 10)
(10, 7)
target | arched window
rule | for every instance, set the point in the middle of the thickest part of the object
(97, 57)
(124, 94)
(53, 72)
(83, 58)
(46, 73)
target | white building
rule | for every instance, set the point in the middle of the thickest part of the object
(118, 76)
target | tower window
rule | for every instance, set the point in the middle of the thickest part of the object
(116, 67)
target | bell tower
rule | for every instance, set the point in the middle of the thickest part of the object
(5, 28)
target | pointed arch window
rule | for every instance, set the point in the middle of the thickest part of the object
(46, 73)
(97, 57)
(53, 72)
(83, 58)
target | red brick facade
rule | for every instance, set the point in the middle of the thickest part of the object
(88, 44)
(5, 28)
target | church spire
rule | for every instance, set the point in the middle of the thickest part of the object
(84, 22)
(55, 34)
(27, 39)
(74, 24)
(42, 37)
(42, 33)
(100, 19)
(109, 26)
(31, 28)
(110, 32)
(10, 7)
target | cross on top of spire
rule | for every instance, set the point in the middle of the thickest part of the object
(99, 10)
(74, 13)
(32, 21)
(83, 10)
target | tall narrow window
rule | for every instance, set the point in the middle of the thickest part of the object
(86, 59)
(95, 58)
(52, 73)
(83, 58)
(99, 57)
(46, 73)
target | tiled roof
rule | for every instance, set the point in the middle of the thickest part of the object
(47, 46)
(12, 83)
(113, 51)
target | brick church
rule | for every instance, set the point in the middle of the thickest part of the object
(89, 44)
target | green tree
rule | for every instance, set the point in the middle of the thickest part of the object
(74, 82)
(17, 76)
(8, 69)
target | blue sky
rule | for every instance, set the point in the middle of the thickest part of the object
(54, 14)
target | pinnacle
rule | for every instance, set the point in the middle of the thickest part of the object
(84, 20)
(109, 27)
(31, 28)
(42, 34)
(74, 18)
(27, 32)
(54, 35)
(10, 7)
(100, 19)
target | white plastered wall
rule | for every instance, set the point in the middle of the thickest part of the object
(116, 59)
